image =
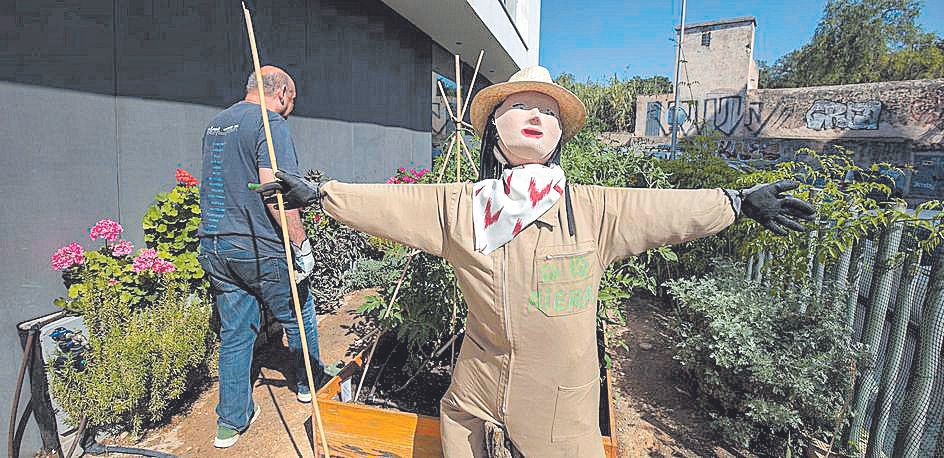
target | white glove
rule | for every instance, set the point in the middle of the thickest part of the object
(304, 261)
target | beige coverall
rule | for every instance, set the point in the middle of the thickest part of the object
(529, 359)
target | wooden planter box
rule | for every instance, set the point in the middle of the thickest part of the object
(356, 430)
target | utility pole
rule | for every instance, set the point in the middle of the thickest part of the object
(673, 113)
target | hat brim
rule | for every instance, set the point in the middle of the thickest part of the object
(572, 116)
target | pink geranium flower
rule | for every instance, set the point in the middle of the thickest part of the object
(144, 260)
(67, 256)
(161, 266)
(122, 248)
(106, 229)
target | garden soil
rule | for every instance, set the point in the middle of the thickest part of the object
(655, 414)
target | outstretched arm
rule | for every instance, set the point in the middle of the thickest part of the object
(414, 215)
(636, 220)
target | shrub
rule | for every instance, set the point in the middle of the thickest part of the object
(769, 373)
(336, 248)
(141, 359)
(422, 315)
(171, 222)
(148, 319)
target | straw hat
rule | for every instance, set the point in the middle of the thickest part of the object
(572, 115)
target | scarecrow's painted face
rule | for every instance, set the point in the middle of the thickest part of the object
(528, 127)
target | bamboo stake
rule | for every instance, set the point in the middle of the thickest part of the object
(458, 154)
(458, 91)
(448, 150)
(442, 93)
(442, 170)
(475, 75)
(316, 413)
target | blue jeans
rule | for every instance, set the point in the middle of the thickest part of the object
(241, 277)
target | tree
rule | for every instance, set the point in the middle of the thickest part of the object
(861, 41)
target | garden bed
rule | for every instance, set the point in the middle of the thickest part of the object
(371, 430)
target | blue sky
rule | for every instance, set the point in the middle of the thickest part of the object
(595, 38)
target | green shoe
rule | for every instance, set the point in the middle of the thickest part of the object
(226, 436)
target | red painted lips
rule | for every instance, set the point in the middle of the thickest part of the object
(532, 133)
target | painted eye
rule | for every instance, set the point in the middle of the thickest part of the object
(520, 106)
(549, 112)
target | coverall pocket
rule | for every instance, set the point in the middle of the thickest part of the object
(565, 279)
(576, 411)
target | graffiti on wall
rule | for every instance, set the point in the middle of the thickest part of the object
(749, 149)
(723, 113)
(760, 116)
(928, 178)
(731, 113)
(828, 114)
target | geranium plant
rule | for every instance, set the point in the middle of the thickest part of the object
(147, 313)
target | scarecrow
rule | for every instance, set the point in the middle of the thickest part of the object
(529, 250)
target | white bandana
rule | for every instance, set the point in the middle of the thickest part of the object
(501, 208)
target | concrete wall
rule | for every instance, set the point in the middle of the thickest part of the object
(900, 122)
(104, 98)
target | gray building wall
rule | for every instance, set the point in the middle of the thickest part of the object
(104, 98)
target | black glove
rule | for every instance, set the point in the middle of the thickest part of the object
(764, 204)
(296, 191)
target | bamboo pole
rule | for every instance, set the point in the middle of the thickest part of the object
(442, 169)
(316, 413)
(458, 91)
(475, 75)
(442, 93)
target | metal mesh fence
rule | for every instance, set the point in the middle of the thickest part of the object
(898, 406)
(897, 313)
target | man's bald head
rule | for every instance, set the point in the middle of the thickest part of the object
(278, 87)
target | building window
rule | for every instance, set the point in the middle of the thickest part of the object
(706, 39)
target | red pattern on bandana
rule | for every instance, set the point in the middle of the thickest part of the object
(536, 195)
(508, 207)
(489, 217)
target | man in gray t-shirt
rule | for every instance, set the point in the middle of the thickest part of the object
(241, 246)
